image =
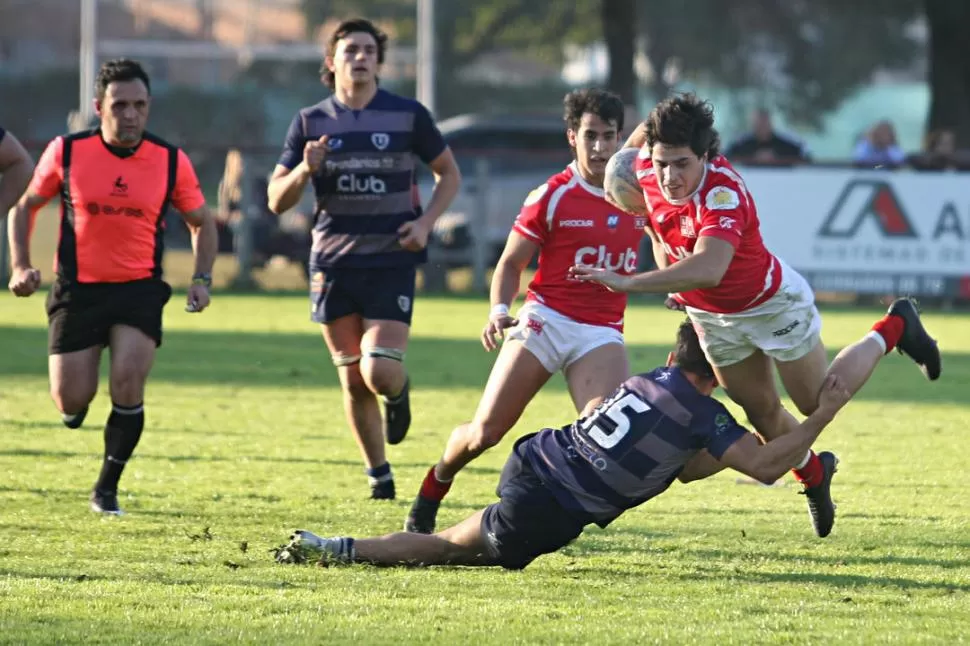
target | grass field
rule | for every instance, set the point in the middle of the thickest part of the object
(246, 440)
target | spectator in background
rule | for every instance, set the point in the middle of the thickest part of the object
(939, 152)
(878, 148)
(766, 146)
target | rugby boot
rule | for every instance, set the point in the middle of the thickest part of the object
(75, 420)
(105, 502)
(916, 343)
(307, 547)
(421, 519)
(383, 490)
(820, 505)
(397, 415)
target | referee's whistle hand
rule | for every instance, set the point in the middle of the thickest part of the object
(198, 299)
(25, 281)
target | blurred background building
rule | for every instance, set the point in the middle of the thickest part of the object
(797, 87)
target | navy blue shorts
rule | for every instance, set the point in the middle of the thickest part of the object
(385, 294)
(528, 521)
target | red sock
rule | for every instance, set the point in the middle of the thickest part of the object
(432, 488)
(890, 328)
(812, 473)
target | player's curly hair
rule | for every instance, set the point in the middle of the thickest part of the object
(119, 70)
(684, 120)
(688, 355)
(344, 29)
(603, 103)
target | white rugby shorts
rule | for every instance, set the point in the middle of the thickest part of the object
(556, 340)
(786, 327)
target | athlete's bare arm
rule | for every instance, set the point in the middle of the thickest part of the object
(506, 280)
(286, 186)
(703, 269)
(638, 137)
(447, 181)
(205, 238)
(768, 462)
(518, 253)
(16, 167)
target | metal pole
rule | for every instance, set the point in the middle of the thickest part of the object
(88, 59)
(426, 46)
(479, 225)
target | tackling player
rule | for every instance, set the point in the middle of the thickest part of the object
(558, 481)
(16, 167)
(359, 148)
(115, 185)
(565, 325)
(752, 311)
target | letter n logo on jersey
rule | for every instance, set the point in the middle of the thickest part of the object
(863, 199)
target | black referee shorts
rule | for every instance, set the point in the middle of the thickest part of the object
(81, 316)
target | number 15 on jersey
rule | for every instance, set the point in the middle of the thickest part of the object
(610, 422)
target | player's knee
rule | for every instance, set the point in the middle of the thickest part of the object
(806, 407)
(483, 436)
(765, 414)
(353, 382)
(127, 387)
(383, 377)
(71, 399)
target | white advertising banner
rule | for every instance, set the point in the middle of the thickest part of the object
(868, 230)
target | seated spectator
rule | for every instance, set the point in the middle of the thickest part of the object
(878, 148)
(766, 146)
(939, 152)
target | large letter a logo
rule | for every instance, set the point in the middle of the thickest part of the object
(863, 199)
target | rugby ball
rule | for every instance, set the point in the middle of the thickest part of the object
(620, 182)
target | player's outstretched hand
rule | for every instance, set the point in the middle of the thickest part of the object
(413, 235)
(672, 303)
(198, 299)
(314, 152)
(834, 395)
(609, 279)
(25, 281)
(494, 332)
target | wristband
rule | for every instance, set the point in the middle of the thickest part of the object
(202, 279)
(499, 310)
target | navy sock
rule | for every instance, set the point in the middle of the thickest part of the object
(121, 435)
(379, 475)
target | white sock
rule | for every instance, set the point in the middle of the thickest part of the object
(878, 339)
(808, 456)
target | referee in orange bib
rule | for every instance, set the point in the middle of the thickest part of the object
(115, 185)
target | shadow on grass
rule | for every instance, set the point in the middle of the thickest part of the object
(291, 360)
(46, 453)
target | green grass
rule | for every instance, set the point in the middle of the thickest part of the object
(246, 440)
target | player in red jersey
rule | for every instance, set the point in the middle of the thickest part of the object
(750, 309)
(564, 325)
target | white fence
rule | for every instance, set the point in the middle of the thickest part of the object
(868, 231)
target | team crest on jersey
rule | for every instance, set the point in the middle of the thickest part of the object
(404, 303)
(381, 140)
(536, 195)
(722, 198)
(640, 223)
(687, 228)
